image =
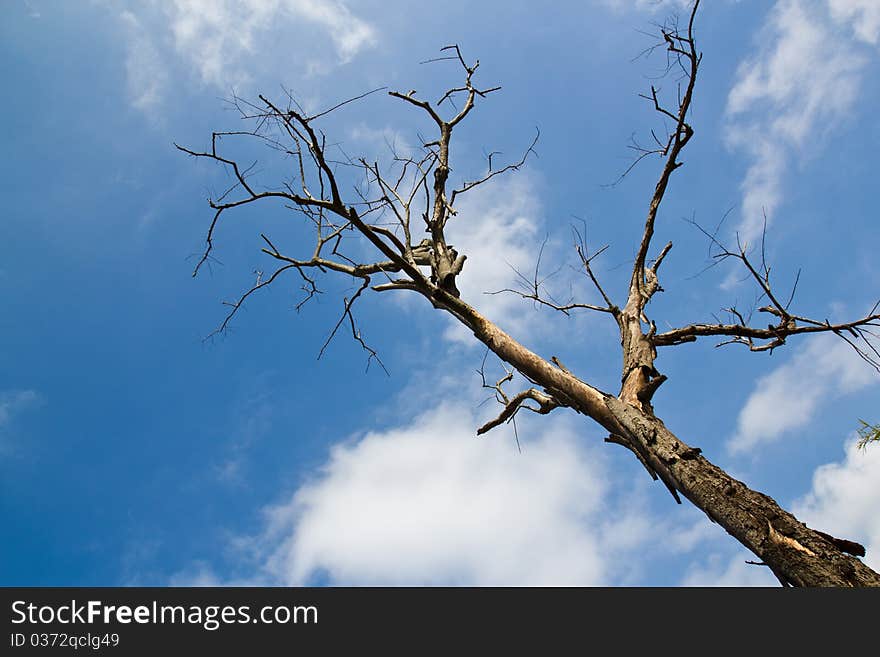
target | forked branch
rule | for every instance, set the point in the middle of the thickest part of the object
(544, 403)
(682, 49)
(861, 334)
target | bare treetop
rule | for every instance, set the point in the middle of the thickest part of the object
(405, 216)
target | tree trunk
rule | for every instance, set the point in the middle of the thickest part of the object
(797, 555)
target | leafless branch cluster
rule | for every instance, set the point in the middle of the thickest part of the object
(393, 206)
(682, 63)
(640, 377)
(861, 334)
(534, 287)
(544, 403)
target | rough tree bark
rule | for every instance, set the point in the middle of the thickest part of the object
(796, 554)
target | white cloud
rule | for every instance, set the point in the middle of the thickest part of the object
(200, 574)
(649, 5)
(348, 32)
(218, 36)
(719, 570)
(788, 397)
(145, 72)
(862, 15)
(13, 402)
(429, 503)
(499, 227)
(382, 144)
(844, 498)
(801, 82)
(226, 41)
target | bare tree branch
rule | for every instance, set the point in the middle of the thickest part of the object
(684, 47)
(512, 405)
(348, 303)
(859, 334)
(534, 288)
(467, 186)
(517, 402)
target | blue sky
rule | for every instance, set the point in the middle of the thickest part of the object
(132, 451)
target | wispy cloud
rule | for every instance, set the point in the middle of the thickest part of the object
(13, 402)
(33, 12)
(251, 418)
(647, 5)
(843, 499)
(201, 574)
(721, 570)
(499, 226)
(218, 38)
(862, 15)
(146, 76)
(800, 83)
(788, 398)
(226, 42)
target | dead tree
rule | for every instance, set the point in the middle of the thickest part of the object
(389, 213)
